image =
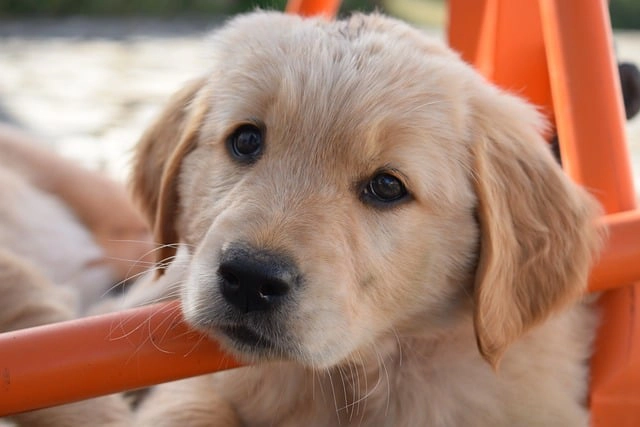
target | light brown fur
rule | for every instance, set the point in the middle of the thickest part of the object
(97, 202)
(458, 306)
(67, 235)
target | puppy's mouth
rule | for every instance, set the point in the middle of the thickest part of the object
(247, 337)
(248, 342)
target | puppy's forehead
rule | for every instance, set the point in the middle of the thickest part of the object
(352, 80)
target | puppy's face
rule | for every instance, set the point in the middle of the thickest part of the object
(327, 178)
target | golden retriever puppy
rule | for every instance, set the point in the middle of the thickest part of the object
(380, 232)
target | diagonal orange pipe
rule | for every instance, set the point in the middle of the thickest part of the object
(69, 361)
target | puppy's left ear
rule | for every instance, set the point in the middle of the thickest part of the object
(539, 233)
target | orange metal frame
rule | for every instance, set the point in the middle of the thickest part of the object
(558, 54)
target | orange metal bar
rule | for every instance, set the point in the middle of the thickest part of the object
(615, 374)
(619, 262)
(574, 37)
(502, 40)
(467, 27)
(586, 93)
(69, 361)
(590, 122)
(328, 8)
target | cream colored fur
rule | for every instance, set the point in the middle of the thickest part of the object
(41, 228)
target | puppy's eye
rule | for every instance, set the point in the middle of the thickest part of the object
(245, 143)
(385, 188)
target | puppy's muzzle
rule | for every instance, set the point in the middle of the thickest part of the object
(256, 280)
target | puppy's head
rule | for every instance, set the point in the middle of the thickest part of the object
(339, 181)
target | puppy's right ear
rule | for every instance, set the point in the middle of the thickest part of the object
(157, 162)
(539, 231)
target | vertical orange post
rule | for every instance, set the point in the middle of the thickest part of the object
(586, 93)
(558, 54)
(327, 8)
(590, 121)
(502, 39)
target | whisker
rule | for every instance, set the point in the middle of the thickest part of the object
(361, 407)
(173, 315)
(399, 344)
(333, 393)
(386, 374)
(344, 385)
(362, 399)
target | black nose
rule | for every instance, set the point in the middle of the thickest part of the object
(255, 280)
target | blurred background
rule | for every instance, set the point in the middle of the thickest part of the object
(87, 76)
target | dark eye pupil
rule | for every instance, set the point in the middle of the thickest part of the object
(386, 187)
(246, 141)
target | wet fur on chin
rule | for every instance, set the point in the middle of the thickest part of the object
(458, 305)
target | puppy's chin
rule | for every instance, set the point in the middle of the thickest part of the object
(249, 345)
(255, 342)
(252, 346)
(249, 340)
